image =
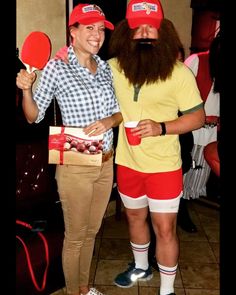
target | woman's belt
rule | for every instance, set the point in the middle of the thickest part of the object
(107, 155)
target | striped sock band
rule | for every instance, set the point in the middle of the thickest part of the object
(140, 255)
(167, 277)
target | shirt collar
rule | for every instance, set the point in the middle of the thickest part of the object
(74, 61)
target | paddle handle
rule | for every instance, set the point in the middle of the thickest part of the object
(30, 69)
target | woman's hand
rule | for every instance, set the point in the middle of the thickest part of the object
(25, 80)
(103, 125)
(98, 127)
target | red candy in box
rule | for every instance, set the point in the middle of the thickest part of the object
(70, 145)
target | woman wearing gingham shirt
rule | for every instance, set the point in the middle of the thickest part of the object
(84, 91)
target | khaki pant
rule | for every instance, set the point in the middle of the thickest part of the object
(84, 193)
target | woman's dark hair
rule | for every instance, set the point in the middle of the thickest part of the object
(68, 34)
(214, 61)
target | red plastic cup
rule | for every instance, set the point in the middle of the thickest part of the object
(132, 139)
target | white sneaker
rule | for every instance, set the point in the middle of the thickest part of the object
(94, 291)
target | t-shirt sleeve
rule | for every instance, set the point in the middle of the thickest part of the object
(187, 92)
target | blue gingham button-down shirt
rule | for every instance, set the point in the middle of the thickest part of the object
(82, 97)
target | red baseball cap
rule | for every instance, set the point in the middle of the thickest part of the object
(87, 14)
(144, 12)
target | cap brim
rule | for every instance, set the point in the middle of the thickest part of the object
(108, 25)
(136, 22)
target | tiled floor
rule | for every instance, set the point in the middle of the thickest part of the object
(198, 272)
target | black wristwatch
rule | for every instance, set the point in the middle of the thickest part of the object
(163, 128)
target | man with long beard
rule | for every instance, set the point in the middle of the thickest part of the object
(151, 86)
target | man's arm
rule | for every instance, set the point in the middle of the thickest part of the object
(183, 124)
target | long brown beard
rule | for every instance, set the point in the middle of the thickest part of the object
(144, 63)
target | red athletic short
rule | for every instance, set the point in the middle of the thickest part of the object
(159, 186)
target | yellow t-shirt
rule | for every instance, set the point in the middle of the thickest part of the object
(159, 102)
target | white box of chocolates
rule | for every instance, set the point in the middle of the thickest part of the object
(71, 146)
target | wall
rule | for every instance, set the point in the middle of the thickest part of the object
(48, 16)
(180, 13)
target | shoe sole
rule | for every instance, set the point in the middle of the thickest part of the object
(148, 278)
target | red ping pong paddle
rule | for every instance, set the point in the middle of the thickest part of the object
(36, 51)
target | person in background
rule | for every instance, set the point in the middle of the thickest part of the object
(152, 86)
(84, 90)
(186, 142)
(205, 67)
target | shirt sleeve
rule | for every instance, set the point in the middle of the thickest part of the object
(187, 92)
(45, 89)
(192, 63)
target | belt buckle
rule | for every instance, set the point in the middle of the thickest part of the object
(106, 156)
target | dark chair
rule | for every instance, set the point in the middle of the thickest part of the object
(212, 157)
(37, 205)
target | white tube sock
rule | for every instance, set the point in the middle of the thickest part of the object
(140, 255)
(167, 277)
